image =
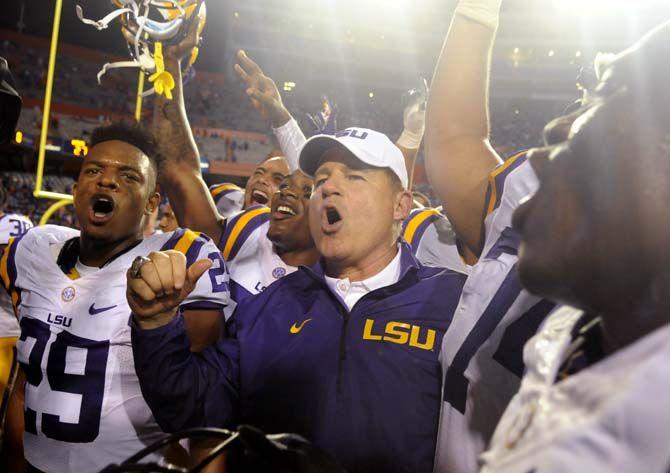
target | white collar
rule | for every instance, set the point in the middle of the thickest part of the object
(351, 292)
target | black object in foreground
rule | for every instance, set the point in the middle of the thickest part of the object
(279, 453)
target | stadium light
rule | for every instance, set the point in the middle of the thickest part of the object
(79, 147)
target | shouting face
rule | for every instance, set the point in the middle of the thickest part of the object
(116, 188)
(265, 180)
(356, 210)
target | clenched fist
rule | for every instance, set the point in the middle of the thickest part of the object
(160, 285)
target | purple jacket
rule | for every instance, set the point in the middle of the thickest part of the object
(363, 385)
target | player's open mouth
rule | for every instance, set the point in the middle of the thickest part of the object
(102, 209)
(259, 197)
(331, 220)
(283, 212)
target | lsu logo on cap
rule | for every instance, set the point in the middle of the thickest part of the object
(352, 133)
(400, 333)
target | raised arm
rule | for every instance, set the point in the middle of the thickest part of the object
(459, 157)
(181, 176)
(266, 99)
(414, 126)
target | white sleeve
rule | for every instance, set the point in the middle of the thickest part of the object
(212, 290)
(508, 187)
(438, 248)
(12, 225)
(291, 139)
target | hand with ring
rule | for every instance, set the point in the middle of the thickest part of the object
(159, 283)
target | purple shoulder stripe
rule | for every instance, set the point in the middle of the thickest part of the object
(172, 242)
(246, 232)
(420, 230)
(193, 252)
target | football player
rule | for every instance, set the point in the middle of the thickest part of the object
(264, 181)
(260, 244)
(11, 225)
(168, 221)
(481, 354)
(595, 236)
(83, 405)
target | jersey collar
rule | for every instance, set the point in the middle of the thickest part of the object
(69, 254)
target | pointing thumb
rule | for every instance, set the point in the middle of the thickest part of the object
(194, 272)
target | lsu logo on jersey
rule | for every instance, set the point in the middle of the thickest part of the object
(400, 333)
(59, 319)
(68, 294)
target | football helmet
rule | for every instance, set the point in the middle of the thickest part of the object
(147, 26)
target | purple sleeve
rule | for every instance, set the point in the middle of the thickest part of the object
(185, 389)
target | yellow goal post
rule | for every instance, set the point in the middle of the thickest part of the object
(62, 199)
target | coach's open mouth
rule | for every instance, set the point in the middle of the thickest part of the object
(102, 208)
(331, 219)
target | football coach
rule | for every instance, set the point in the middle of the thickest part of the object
(344, 353)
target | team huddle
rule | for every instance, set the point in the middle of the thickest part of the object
(520, 327)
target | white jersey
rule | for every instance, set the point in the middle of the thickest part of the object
(11, 226)
(612, 416)
(433, 240)
(250, 257)
(83, 404)
(229, 198)
(481, 353)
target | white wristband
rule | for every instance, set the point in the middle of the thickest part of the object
(486, 12)
(290, 139)
(409, 139)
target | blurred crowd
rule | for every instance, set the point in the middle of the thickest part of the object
(217, 103)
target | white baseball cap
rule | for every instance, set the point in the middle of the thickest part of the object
(369, 146)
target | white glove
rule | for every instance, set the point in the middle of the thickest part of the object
(486, 12)
(414, 121)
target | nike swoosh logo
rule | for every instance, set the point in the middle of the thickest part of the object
(93, 311)
(295, 328)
